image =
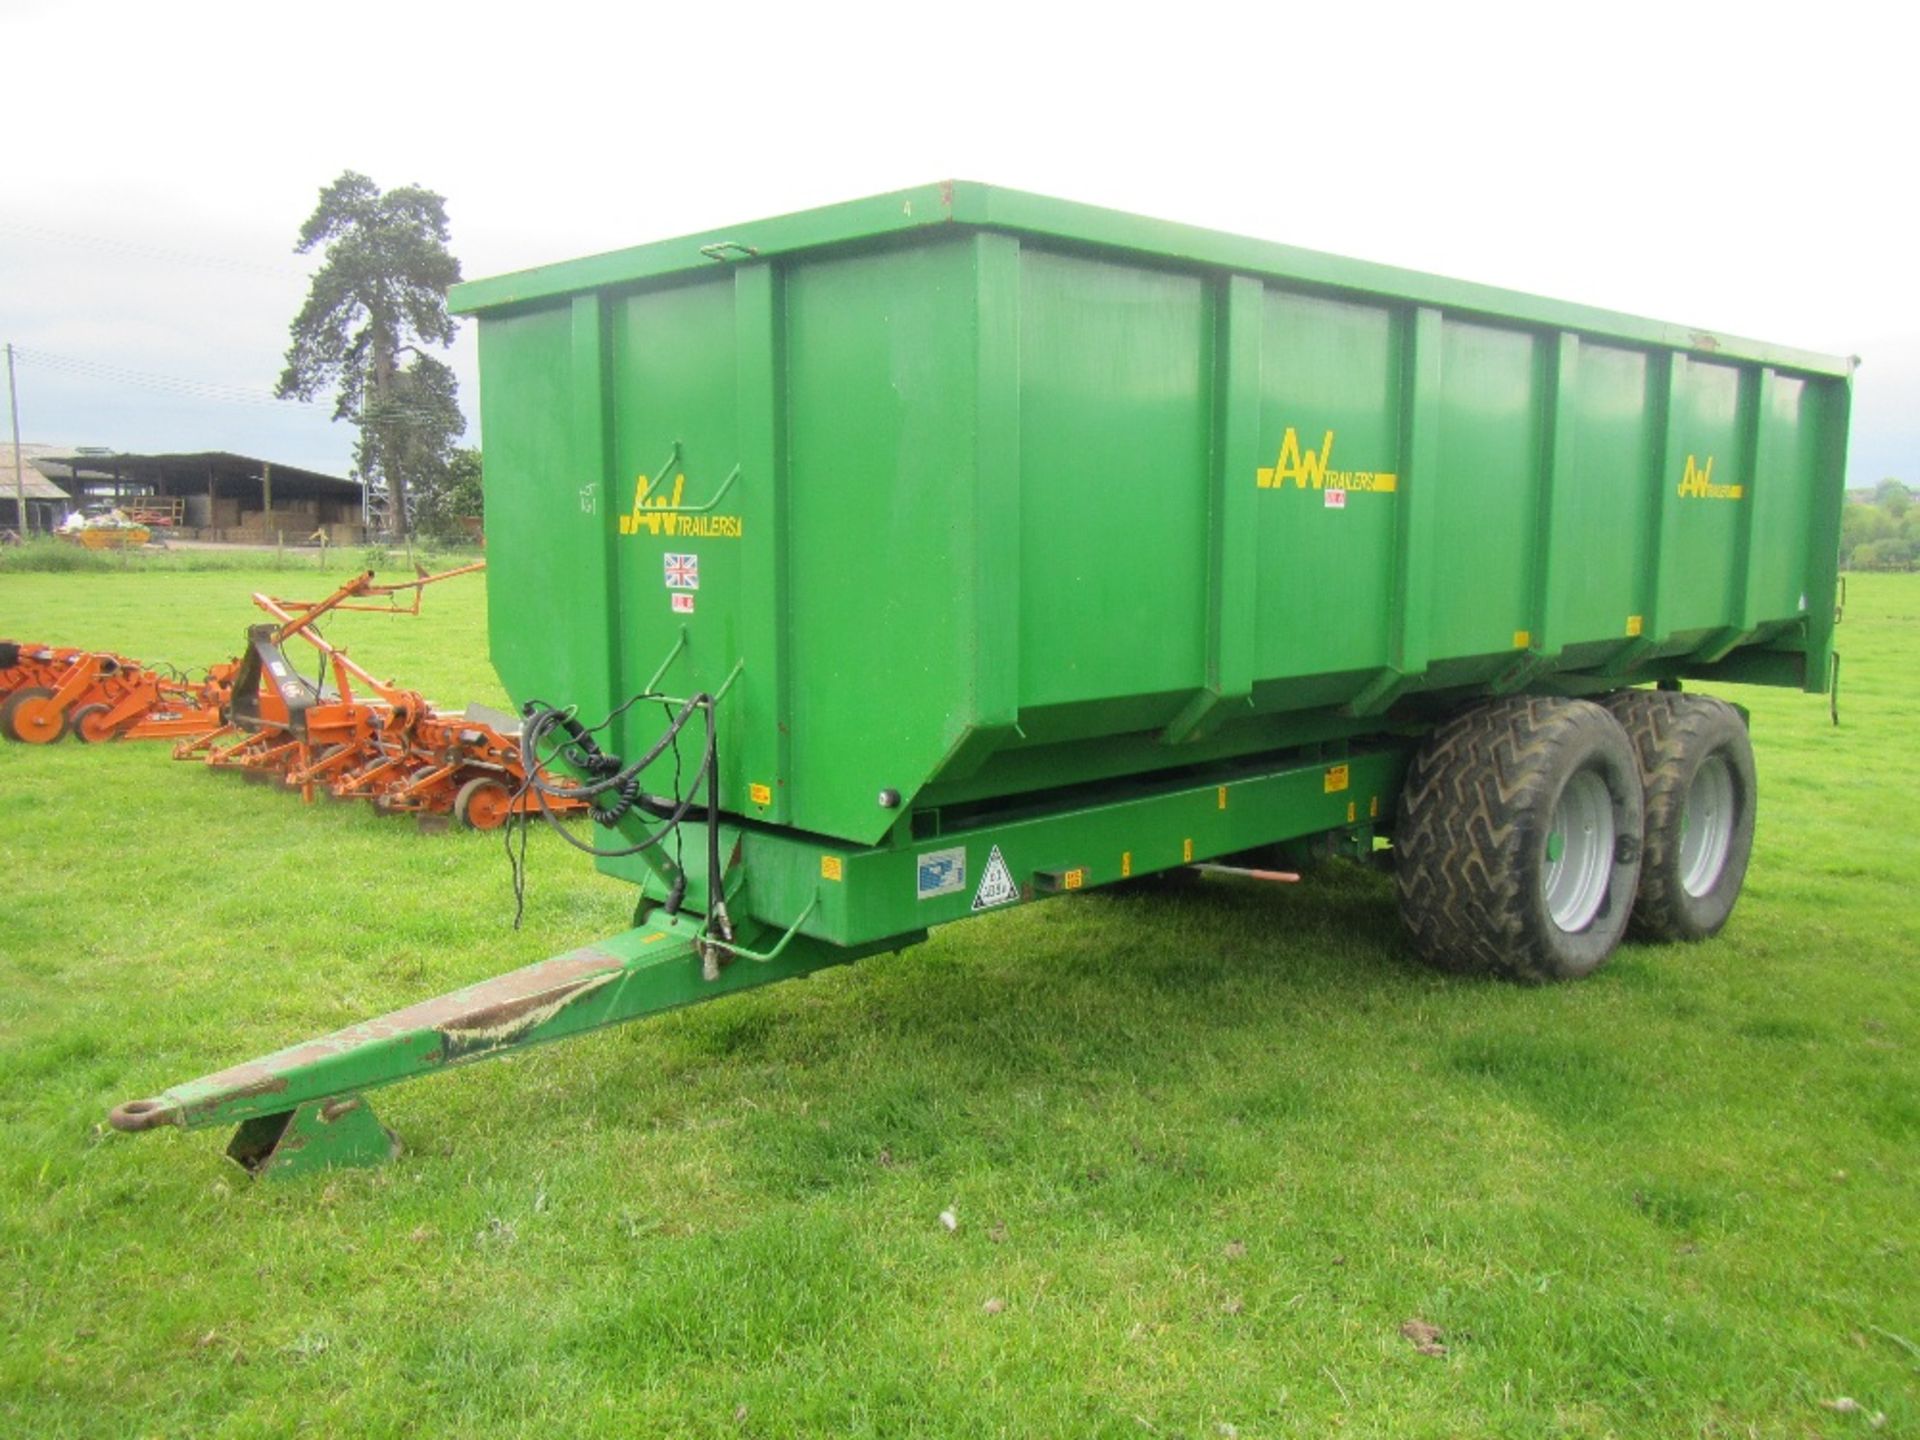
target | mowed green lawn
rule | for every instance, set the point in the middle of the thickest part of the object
(1207, 1151)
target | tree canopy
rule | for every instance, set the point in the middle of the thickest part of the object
(441, 509)
(1880, 529)
(377, 301)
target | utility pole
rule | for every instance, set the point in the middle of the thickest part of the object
(19, 470)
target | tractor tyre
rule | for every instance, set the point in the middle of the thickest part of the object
(1519, 840)
(30, 717)
(1696, 764)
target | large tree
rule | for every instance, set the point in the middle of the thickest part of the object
(378, 298)
(442, 508)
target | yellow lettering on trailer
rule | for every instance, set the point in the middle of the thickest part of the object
(1314, 468)
(1696, 483)
(645, 502)
(661, 515)
(1304, 468)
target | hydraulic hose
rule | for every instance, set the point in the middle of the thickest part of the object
(611, 776)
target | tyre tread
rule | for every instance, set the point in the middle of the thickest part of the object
(1459, 865)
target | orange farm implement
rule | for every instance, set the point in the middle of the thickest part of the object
(47, 693)
(341, 733)
(349, 735)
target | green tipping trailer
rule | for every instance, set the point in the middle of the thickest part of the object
(888, 563)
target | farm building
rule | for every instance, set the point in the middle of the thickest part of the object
(212, 495)
(46, 501)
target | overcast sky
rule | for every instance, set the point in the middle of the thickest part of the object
(1742, 168)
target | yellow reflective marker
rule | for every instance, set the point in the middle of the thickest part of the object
(761, 794)
(1635, 623)
(1522, 639)
(831, 868)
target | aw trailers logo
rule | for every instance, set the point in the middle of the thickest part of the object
(662, 515)
(1315, 468)
(1696, 483)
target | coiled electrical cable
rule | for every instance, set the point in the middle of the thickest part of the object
(611, 789)
(612, 777)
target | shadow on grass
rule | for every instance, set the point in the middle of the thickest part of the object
(1010, 988)
(1200, 1019)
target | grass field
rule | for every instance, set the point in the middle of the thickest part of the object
(1207, 1152)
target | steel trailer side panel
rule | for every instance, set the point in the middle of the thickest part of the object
(1610, 491)
(1486, 495)
(1021, 498)
(547, 510)
(1331, 395)
(883, 622)
(1115, 433)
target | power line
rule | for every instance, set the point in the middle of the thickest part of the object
(185, 388)
(146, 379)
(120, 245)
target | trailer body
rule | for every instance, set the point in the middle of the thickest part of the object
(1001, 505)
(1003, 546)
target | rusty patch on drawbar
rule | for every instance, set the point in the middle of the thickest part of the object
(476, 1029)
(503, 1004)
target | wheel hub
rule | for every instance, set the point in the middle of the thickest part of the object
(39, 722)
(1579, 852)
(1706, 827)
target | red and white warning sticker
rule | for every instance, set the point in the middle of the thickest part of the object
(1336, 499)
(682, 603)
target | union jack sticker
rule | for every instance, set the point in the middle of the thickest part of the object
(683, 572)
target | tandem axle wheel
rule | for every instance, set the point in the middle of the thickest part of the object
(1537, 832)
(1519, 844)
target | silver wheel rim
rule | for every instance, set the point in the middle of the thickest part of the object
(1579, 852)
(1706, 827)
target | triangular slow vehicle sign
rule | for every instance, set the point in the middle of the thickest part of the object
(996, 884)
